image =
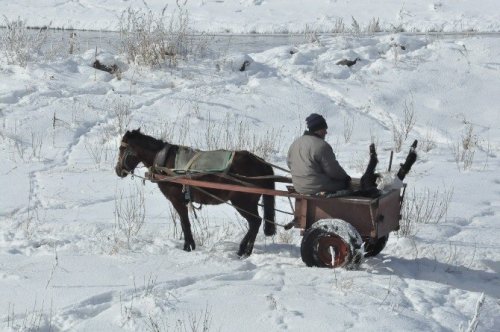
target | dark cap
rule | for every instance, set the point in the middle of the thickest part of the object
(316, 122)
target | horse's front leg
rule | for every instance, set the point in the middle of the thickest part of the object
(186, 227)
(179, 205)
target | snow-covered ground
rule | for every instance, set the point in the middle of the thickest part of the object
(66, 264)
(268, 16)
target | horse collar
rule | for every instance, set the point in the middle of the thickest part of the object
(161, 157)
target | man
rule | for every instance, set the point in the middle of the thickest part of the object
(312, 162)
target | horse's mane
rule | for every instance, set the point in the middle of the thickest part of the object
(143, 140)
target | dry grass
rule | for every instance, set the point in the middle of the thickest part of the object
(130, 214)
(402, 128)
(424, 207)
(234, 134)
(154, 40)
(465, 149)
(19, 44)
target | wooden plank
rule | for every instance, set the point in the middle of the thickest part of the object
(221, 186)
(301, 213)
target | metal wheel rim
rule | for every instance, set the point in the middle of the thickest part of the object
(339, 247)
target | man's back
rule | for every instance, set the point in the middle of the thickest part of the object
(314, 167)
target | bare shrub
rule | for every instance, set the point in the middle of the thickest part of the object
(26, 151)
(30, 223)
(95, 150)
(489, 153)
(355, 27)
(201, 229)
(193, 322)
(101, 147)
(465, 53)
(36, 143)
(474, 322)
(174, 216)
(373, 26)
(397, 137)
(130, 214)
(285, 237)
(123, 114)
(425, 207)
(311, 35)
(200, 321)
(73, 42)
(19, 44)
(339, 26)
(153, 40)
(36, 319)
(465, 149)
(395, 54)
(401, 129)
(348, 128)
(428, 142)
(267, 144)
(18, 148)
(456, 258)
(409, 118)
(206, 232)
(358, 162)
(221, 135)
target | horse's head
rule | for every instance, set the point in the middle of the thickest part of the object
(127, 155)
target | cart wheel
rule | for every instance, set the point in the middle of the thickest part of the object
(374, 247)
(332, 243)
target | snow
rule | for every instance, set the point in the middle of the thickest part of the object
(66, 266)
(268, 16)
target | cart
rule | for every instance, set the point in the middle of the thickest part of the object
(337, 231)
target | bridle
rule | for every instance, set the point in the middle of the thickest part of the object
(122, 161)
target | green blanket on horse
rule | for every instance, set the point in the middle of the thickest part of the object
(189, 160)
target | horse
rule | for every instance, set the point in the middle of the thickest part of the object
(136, 148)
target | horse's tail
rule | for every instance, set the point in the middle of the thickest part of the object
(269, 225)
(269, 213)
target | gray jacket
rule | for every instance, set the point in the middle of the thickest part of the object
(314, 167)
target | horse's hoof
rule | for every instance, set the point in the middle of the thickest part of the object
(245, 253)
(270, 232)
(189, 246)
(242, 255)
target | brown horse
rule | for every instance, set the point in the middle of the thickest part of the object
(137, 147)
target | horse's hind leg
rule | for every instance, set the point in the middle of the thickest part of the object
(246, 245)
(250, 212)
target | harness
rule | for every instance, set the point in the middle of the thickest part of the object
(123, 160)
(162, 155)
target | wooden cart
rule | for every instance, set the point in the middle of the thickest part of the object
(337, 231)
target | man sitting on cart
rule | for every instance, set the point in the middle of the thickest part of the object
(312, 163)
